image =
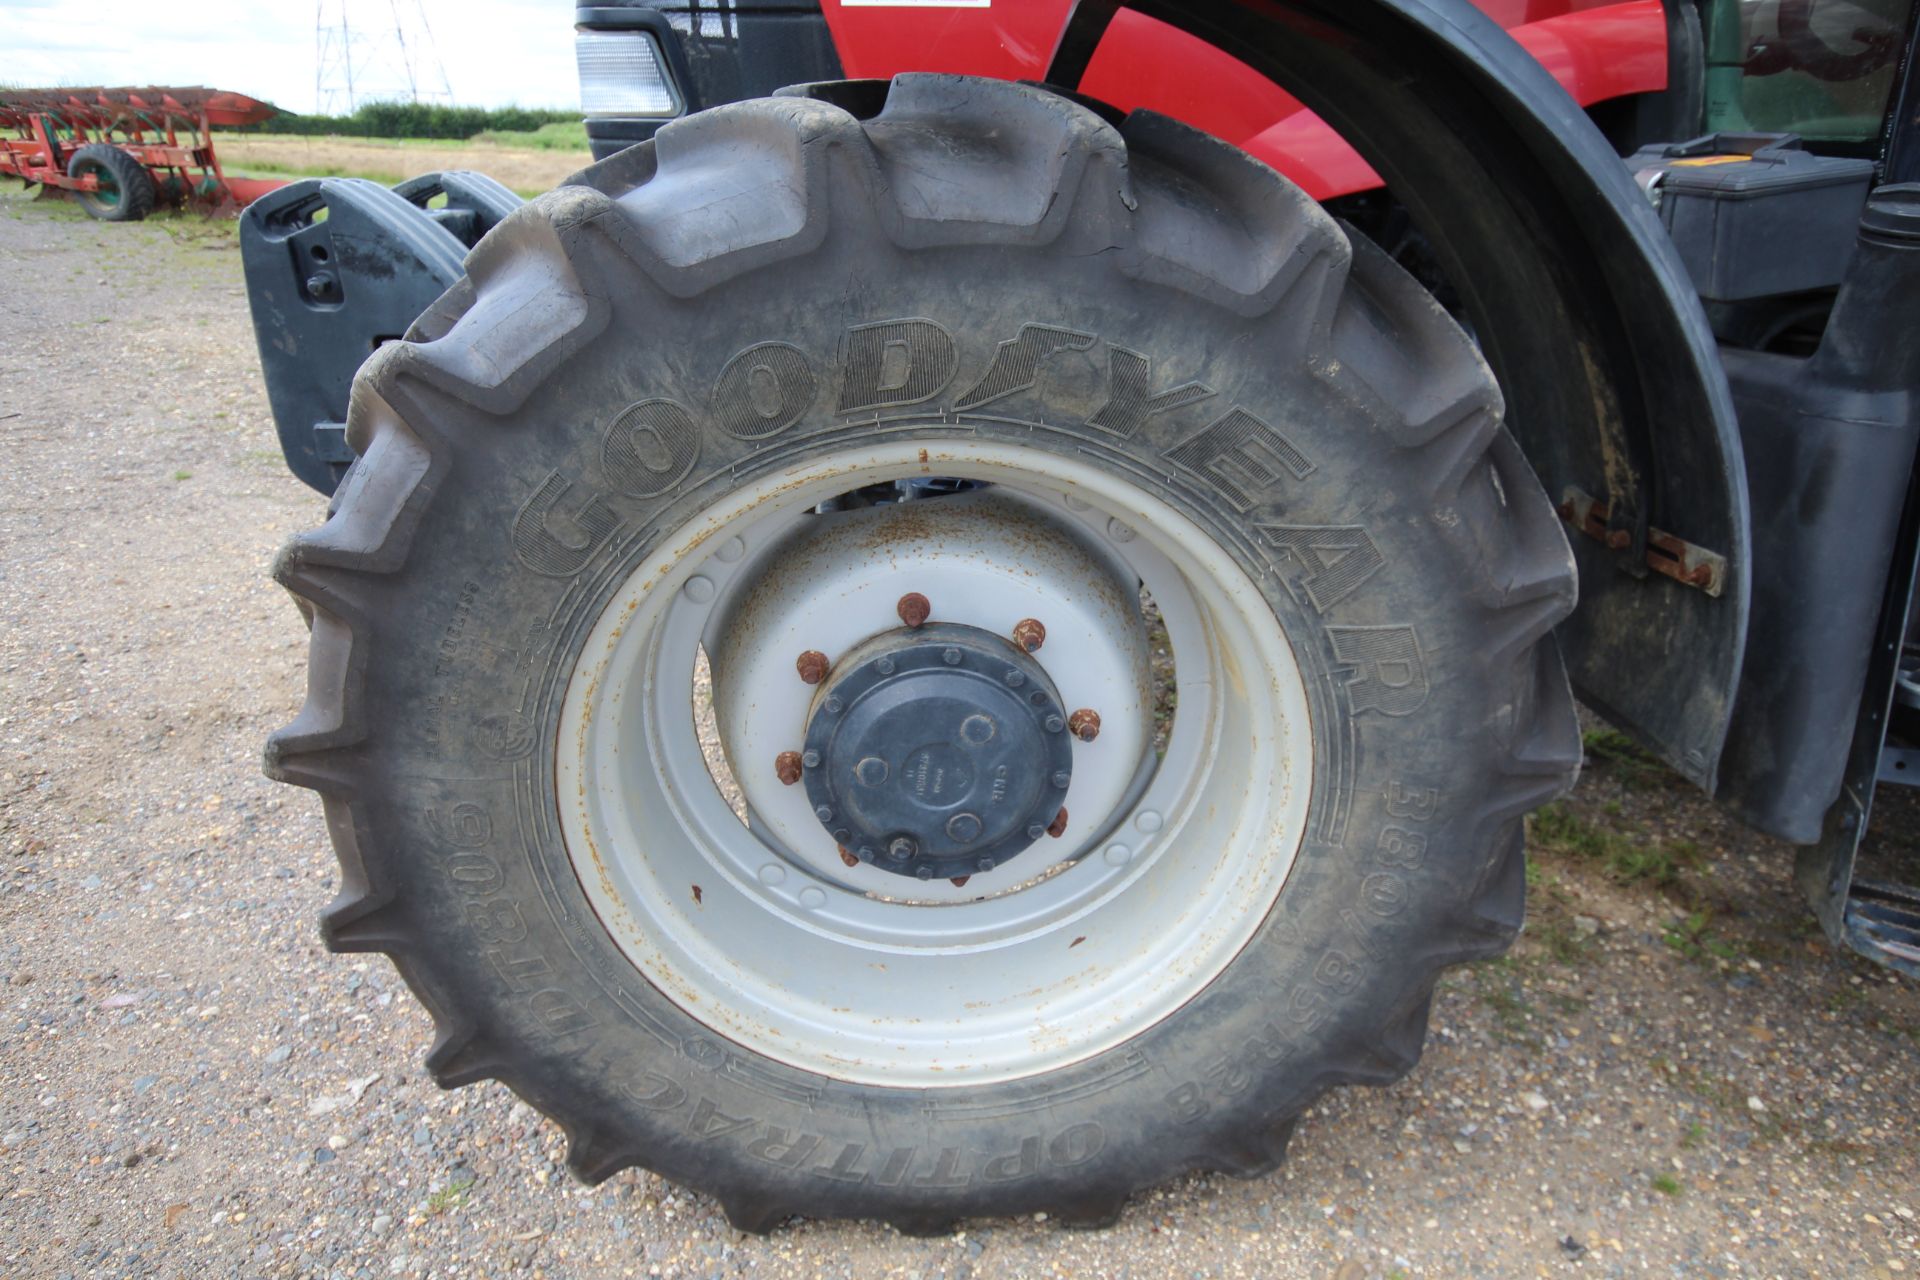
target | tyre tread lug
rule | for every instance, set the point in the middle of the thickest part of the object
(970, 161)
(1202, 203)
(460, 1056)
(594, 1154)
(784, 212)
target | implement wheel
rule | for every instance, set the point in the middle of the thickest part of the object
(916, 429)
(125, 193)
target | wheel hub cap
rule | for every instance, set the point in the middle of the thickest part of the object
(938, 751)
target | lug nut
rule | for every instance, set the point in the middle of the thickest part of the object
(960, 882)
(1619, 539)
(1061, 779)
(812, 666)
(1058, 826)
(810, 760)
(914, 609)
(846, 856)
(786, 767)
(1035, 831)
(1084, 724)
(1029, 634)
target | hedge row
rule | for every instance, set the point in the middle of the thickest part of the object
(415, 120)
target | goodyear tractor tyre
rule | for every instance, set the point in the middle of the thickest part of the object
(125, 192)
(955, 661)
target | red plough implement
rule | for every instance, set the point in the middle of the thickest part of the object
(121, 152)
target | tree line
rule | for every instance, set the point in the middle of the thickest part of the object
(414, 120)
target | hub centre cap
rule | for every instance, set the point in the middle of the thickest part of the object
(937, 751)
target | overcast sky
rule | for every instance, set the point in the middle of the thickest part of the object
(496, 52)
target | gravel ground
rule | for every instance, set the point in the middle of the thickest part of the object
(1673, 1073)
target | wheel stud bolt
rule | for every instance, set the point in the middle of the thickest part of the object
(846, 856)
(960, 882)
(786, 767)
(914, 609)
(901, 849)
(1084, 724)
(812, 666)
(1055, 724)
(1029, 634)
(811, 760)
(1061, 779)
(1058, 826)
(1035, 831)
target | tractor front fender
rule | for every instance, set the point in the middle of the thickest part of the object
(1613, 383)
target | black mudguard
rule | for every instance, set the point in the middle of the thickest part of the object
(1612, 380)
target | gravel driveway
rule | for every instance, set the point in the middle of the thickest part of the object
(1673, 1074)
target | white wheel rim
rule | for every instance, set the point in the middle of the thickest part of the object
(1062, 953)
(989, 559)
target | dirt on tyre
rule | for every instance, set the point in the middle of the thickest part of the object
(836, 404)
(126, 191)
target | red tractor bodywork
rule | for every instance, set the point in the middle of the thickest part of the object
(1598, 50)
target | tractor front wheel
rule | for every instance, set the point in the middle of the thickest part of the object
(1126, 621)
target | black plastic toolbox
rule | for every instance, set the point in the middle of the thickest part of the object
(1756, 215)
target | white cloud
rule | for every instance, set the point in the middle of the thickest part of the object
(496, 52)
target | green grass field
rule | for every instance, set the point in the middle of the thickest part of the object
(570, 135)
(527, 162)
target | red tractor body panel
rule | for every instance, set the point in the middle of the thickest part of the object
(1597, 49)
